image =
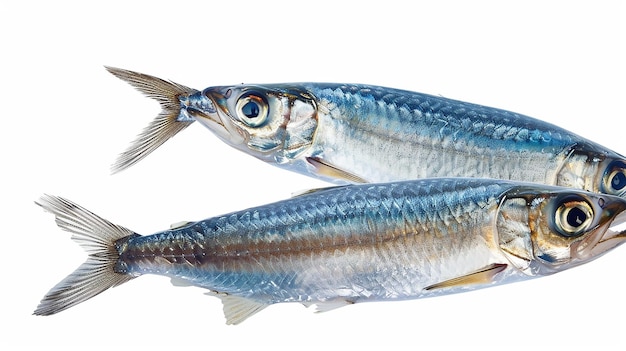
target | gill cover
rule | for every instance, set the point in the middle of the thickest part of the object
(591, 167)
(274, 122)
(545, 232)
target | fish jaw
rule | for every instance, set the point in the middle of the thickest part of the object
(285, 132)
(531, 235)
(606, 237)
(203, 108)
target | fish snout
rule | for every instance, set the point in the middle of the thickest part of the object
(208, 107)
(610, 232)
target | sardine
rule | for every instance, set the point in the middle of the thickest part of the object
(349, 244)
(349, 133)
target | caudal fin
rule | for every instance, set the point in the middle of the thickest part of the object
(99, 238)
(164, 126)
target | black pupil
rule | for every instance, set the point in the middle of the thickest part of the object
(251, 109)
(619, 181)
(576, 217)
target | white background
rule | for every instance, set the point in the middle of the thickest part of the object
(64, 120)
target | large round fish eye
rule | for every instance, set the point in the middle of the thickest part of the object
(573, 216)
(614, 179)
(252, 109)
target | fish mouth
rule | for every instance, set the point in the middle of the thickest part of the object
(608, 235)
(209, 108)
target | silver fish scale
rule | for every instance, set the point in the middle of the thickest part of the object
(371, 130)
(309, 247)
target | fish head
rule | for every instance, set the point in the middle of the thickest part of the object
(591, 167)
(543, 232)
(274, 123)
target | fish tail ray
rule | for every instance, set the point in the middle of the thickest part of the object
(99, 238)
(164, 126)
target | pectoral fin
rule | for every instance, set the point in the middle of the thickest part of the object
(326, 169)
(238, 309)
(482, 276)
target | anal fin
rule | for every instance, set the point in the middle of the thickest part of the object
(482, 276)
(325, 306)
(237, 309)
(326, 169)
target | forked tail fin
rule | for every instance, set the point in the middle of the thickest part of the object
(164, 126)
(101, 239)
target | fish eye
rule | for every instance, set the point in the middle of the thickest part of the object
(252, 109)
(614, 179)
(573, 216)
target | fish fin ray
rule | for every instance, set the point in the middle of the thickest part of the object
(482, 276)
(326, 169)
(163, 127)
(325, 306)
(99, 238)
(314, 190)
(180, 282)
(237, 309)
(180, 224)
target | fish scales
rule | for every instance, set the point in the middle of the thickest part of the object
(341, 245)
(391, 134)
(305, 243)
(349, 244)
(356, 133)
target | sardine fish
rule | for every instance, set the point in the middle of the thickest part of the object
(350, 133)
(349, 244)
